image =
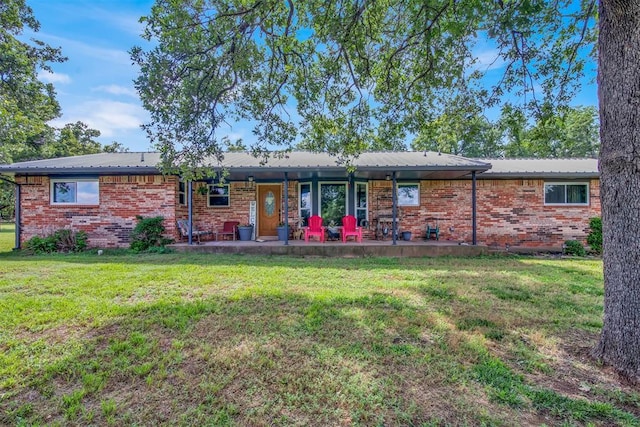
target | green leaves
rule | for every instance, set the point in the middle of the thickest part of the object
(346, 76)
(26, 104)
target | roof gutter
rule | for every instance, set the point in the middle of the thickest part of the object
(540, 175)
(82, 170)
(17, 213)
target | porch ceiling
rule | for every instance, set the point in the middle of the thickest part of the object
(309, 173)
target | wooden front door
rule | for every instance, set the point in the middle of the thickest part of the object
(269, 206)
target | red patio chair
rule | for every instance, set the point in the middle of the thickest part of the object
(315, 228)
(229, 228)
(349, 228)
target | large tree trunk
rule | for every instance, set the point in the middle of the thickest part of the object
(619, 94)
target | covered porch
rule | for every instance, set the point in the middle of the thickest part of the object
(384, 191)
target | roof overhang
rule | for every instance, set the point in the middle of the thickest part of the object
(369, 173)
(540, 175)
(114, 170)
(297, 166)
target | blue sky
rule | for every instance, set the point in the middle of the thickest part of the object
(95, 84)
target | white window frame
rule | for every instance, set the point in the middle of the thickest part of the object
(310, 208)
(356, 208)
(76, 181)
(565, 184)
(182, 192)
(406, 184)
(346, 195)
(210, 194)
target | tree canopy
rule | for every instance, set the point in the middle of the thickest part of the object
(569, 132)
(346, 76)
(26, 104)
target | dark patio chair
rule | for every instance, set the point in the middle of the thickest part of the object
(183, 229)
(433, 231)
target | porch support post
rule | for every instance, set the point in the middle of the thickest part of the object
(17, 214)
(190, 210)
(394, 206)
(315, 200)
(473, 209)
(286, 208)
(351, 196)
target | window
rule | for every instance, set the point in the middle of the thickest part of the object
(182, 193)
(566, 194)
(75, 192)
(408, 195)
(218, 195)
(333, 202)
(304, 203)
(361, 202)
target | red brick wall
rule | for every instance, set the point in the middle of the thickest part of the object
(212, 218)
(513, 212)
(442, 203)
(508, 211)
(241, 194)
(108, 224)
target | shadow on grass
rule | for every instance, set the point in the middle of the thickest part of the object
(280, 359)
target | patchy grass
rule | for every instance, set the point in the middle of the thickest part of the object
(179, 339)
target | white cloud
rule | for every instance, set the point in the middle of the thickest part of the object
(116, 90)
(126, 22)
(49, 77)
(111, 118)
(235, 135)
(488, 59)
(79, 49)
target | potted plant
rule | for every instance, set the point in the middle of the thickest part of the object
(203, 190)
(245, 231)
(282, 231)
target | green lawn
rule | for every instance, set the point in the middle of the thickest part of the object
(7, 237)
(175, 339)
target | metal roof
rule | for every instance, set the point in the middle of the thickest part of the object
(306, 164)
(299, 164)
(90, 163)
(542, 168)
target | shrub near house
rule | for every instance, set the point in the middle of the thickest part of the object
(149, 234)
(64, 240)
(594, 239)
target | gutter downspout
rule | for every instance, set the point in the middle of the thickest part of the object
(17, 213)
(394, 205)
(474, 226)
(286, 208)
(190, 210)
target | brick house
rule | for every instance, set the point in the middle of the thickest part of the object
(536, 203)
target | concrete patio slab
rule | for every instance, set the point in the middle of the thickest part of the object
(367, 248)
